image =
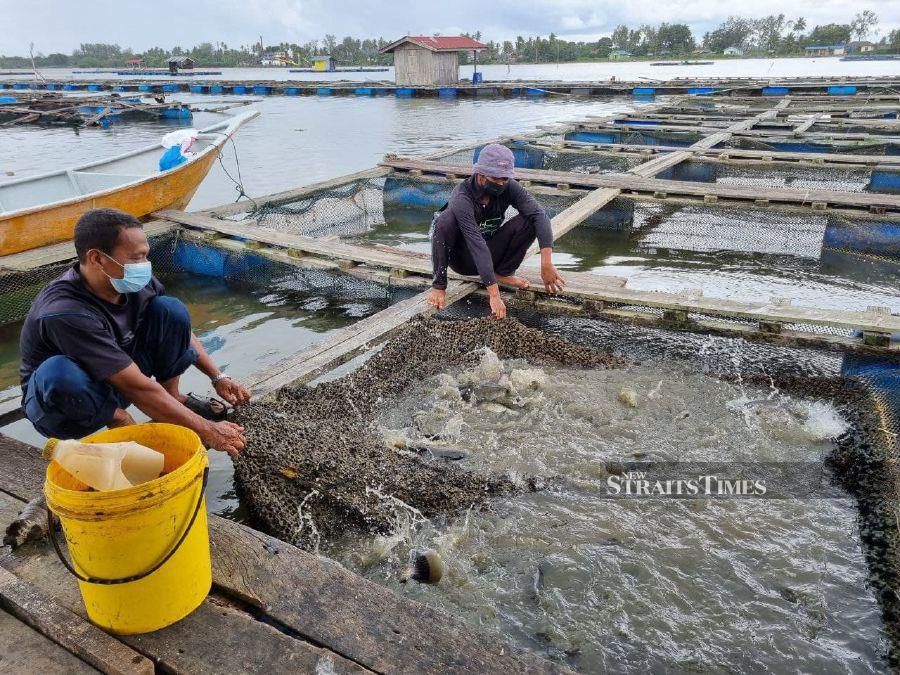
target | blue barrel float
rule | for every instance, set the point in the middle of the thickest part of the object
(405, 192)
(447, 92)
(239, 89)
(523, 156)
(216, 89)
(863, 236)
(145, 87)
(885, 180)
(21, 85)
(178, 113)
(199, 88)
(364, 91)
(8, 100)
(71, 87)
(95, 87)
(775, 91)
(52, 86)
(404, 92)
(324, 91)
(842, 90)
(643, 92)
(534, 92)
(701, 91)
(291, 91)
(262, 90)
(170, 87)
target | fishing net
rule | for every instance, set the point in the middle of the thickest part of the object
(315, 465)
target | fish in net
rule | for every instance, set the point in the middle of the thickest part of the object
(316, 465)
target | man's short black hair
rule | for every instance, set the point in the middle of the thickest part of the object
(99, 229)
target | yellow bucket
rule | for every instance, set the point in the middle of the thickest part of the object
(141, 554)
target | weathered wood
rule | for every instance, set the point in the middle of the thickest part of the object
(577, 213)
(313, 597)
(69, 630)
(580, 285)
(803, 127)
(838, 159)
(803, 198)
(24, 650)
(341, 345)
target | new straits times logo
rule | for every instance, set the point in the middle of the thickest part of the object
(725, 480)
(639, 484)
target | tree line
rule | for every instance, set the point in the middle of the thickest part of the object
(770, 35)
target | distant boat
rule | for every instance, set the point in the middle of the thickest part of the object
(43, 209)
(682, 63)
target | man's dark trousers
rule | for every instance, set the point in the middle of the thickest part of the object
(62, 401)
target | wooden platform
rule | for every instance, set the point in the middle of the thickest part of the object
(274, 609)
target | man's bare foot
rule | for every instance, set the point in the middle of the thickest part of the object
(514, 281)
(121, 418)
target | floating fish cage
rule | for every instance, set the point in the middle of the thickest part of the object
(421, 437)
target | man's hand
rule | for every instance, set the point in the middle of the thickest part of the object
(437, 297)
(498, 307)
(121, 418)
(225, 436)
(553, 282)
(233, 392)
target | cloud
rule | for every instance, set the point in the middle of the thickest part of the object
(61, 25)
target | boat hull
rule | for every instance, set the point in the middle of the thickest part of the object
(43, 226)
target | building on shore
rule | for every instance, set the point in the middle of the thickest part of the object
(861, 47)
(826, 50)
(323, 62)
(619, 55)
(426, 61)
(177, 63)
(734, 50)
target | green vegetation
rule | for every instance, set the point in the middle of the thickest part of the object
(772, 35)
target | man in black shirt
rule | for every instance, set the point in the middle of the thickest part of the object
(96, 337)
(471, 235)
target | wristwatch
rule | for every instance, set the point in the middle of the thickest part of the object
(218, 378)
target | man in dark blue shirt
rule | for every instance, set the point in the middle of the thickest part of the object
(104, 335)
(471, 234)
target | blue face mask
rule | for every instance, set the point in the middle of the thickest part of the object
(137, 275)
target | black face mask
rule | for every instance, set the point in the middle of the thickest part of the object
(494, 189)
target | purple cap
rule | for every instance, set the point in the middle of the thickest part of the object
(496, 161)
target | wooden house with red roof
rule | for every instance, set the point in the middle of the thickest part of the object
(429, 61)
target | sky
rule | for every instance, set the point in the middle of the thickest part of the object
(61, 25)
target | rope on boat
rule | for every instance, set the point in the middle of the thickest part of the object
(239, 181)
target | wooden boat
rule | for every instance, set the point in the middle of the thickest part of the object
(43, 209)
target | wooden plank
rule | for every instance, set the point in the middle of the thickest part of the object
(775, 134)
(341, 345)
(803, 127)
(825, 159)
(311, 596)
(24, 650)
(580, 285)
(803, 198)
(577, 213)
(69, 630)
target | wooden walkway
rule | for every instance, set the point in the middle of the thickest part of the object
(600, 294)
(274, 609)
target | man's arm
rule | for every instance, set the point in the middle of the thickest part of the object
(529, 207)
(155, 402)
(228, 389)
